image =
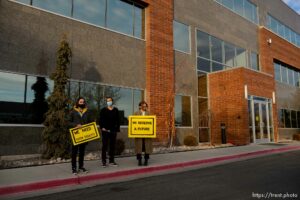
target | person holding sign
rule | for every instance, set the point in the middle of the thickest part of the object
(143, 144)
(78, 117)
(110, 125)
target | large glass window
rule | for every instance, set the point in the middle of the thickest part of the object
(124, 104)
(181, 37)
(287, 118)
(203, 65)
(229, 54)
(183, 111)
(24, 1)
(281, 118)
(241, 57)
(254, 61)
(286, 74)
(203, 46)
(214, 54)
(23, 98)
(298, 118)
(120, 16)
(277, 72)
(91, 11)
(242, 7)
(291, 76)
(216, 49)
(282, 30)
(12, 87)
(138, 29)
(294, 118)
(57, 6)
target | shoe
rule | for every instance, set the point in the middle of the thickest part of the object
(82, 169)
(140, 162)
(74, 171)
(104, 165)
(146, 163)
(113, 164)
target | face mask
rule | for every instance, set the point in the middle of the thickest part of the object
(81, 105)
(109, 103)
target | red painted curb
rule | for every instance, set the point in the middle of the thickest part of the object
(84, 179)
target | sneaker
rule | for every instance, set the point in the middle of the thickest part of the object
(74, 171)
(104, 165)
(82, 169)
(146, 163)
(113, 164)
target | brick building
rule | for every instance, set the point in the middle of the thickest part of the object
(198, 64)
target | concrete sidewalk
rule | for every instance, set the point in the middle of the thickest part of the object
(29, 181)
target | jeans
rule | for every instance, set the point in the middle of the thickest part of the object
(108, 139)
(75, 149)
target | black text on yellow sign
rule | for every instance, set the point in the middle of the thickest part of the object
(85, 133)
(142, 126)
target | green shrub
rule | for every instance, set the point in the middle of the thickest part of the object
(296, 136)
(190, 140)
(120, 146)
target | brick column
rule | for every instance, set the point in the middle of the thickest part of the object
(160, 65)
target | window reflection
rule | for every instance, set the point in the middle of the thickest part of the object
(203, 65)
(138, 22)
(123, 16)
(216, 49)
(23, 98)
(241, 57)
(182, 110)
(57, 6)
(283, 31)
(12, 87)
(24, 1)
(203, 47)
(214, 54)
(229, 54)
(120, 16)
(254, 61)
(181, 37)
(92, 11)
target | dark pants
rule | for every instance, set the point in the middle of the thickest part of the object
(75, 149)
(146, 156)
(108, 139)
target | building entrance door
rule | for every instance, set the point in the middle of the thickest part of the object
(261, 122)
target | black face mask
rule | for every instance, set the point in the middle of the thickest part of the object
(81, 105)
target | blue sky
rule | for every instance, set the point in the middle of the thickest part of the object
(294, 4)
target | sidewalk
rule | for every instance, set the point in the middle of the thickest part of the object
(23, 182)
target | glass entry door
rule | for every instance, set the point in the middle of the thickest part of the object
(260, 121)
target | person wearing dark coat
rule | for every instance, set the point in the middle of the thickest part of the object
(78, 117)
(143, 144)
(110, 124)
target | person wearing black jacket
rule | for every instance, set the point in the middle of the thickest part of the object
(78, 117)
(110, 124)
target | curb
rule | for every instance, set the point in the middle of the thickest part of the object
(30, 187)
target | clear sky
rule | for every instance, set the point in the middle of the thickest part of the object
(294, 4)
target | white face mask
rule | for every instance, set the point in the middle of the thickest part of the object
(109, 103)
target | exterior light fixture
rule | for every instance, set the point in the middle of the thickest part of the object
(269, 41)
(273, 97)
(246, 91)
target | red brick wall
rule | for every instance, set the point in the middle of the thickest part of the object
(281, 50)
(228, 104)
(160, 64)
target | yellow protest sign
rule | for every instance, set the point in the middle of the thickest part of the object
(142, 126)
(85, 133)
